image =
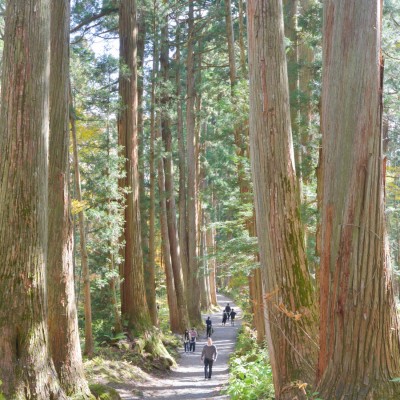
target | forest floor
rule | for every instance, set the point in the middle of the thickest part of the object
(187, 381)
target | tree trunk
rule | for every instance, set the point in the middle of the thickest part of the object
(193, 279)
(359, 332)
(26, 368)
(210, 250)
(231, 44)
(148, 253)
(150, 272)
(291, 312)
(174, 316)
(89, 343)
(62, 318)
(134, 296)
(169, 183)
(183, 235)
(243, 58)
(290, 16)
(305, 59)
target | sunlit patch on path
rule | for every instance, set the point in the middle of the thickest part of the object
(187, 381)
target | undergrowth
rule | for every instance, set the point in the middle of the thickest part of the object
(250, 370)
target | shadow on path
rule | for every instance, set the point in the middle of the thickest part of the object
(187, 381)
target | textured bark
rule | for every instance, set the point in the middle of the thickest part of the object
(26, 368)
(169, 183)
(291, 312)
(359, 332)
(257, 298)
(89, 343)
(62, 315)
(183, 235)
(193, 276)
(134, 296)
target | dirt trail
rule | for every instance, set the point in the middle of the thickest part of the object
(187, 381)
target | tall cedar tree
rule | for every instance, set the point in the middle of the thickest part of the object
(193, 287)
(63, 322)
(134, 305)
(291, 312)
(26, 368)
(169, 181)
(359, 332)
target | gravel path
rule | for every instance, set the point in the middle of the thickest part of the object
(187, 381)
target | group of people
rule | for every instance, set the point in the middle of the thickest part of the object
(189, 340)
(228, 313)
(209, 352)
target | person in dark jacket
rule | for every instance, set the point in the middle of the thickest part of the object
(209, 326)
(233, 315)
(228, 310)
(208, 356)
(224, 317)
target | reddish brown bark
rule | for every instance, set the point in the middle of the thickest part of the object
(134, 305)
(192, 181)
(291, 313)
(63, 321)
(359, 340)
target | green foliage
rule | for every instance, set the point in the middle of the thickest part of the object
(103, 392)
(250, 371)
(1, 394)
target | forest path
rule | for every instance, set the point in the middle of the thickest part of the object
(187, 380)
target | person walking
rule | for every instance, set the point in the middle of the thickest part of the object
(193, 338)
(208, 356)
(209, 327)
(228, 310)
(224, 317)
(186, 339)
(233, 315)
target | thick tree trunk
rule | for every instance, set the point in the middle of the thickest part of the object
(62, 318)
(192, 184)
(359, 331)
(169, 183)
(26, 368)
(291, 312)
(89, 343)
(134, 296)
